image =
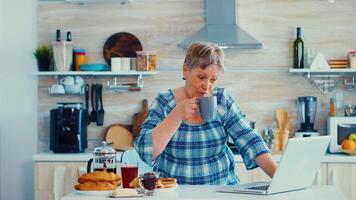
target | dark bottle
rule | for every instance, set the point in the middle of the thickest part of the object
(298, 51)
(58, 35)
(69, 36)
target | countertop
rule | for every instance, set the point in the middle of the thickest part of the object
(84, 157)
(209, 192)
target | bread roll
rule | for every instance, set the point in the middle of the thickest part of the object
(167, 183)
(99, 176)
(95, 186)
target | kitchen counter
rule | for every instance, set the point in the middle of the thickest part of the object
(84, 157)
(209, 192)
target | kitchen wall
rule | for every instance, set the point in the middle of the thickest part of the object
(18, 99)
(257, 79)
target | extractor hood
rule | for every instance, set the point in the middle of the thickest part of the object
(221, 28)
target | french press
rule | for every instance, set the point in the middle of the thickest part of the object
(104, 159)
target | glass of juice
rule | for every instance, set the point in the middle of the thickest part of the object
(129, 171)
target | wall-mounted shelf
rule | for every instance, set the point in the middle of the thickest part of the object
(93, 73)
(82, 2)
(327, 82)
(114, 85)
(324, 72)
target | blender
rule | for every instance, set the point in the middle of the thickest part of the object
(307, 110)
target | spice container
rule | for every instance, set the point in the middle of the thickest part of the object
(146, 60)
(79, 58)
(352, 59)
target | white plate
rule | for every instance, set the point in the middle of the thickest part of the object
(95, 193)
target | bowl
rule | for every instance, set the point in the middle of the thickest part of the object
(73, 89)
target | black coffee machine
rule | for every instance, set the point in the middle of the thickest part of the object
(68, 128)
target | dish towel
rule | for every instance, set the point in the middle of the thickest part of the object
(58, 182)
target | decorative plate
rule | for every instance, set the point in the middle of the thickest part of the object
(121, 44)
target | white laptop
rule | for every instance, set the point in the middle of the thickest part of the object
(296, 170)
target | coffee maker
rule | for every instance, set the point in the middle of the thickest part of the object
(68, 128)
(307, 110)
(104, 159)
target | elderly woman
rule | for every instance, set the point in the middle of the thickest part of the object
(176, 141)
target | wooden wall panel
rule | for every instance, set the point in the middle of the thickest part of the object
(258, 79)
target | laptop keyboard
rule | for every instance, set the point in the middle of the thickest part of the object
(263, 187)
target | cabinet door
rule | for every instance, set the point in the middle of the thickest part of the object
(343, 175)
(244, 175)
(44, 172)
(321, 176)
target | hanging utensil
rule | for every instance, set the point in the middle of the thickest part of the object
(101, 112)
(86, 93)
(92, 99)
(96, 104)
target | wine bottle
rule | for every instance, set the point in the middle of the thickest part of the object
(58, 35)
(298, 51)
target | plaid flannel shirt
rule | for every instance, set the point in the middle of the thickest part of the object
(198, 154)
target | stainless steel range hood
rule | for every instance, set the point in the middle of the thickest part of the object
(221, 28)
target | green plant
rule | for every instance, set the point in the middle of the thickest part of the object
(43, 52)
(43, 56)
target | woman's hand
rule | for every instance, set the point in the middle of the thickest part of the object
(187, 108)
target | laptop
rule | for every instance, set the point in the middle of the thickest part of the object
(296, 170)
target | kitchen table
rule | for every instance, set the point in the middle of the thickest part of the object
(209, 192)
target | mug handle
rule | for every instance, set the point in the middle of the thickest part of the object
(61, 81)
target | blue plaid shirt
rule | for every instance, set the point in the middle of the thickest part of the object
(198, 154)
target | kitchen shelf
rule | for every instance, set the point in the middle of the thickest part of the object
(324, 72)
(113, 85)
(93, 73)
(328, 83)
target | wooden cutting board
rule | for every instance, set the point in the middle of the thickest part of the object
(138, 118)
(119, 136)
(121, 44)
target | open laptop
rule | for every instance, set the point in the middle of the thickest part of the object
(296, 170)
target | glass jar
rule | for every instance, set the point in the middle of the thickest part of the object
(146, 60)
(352, 59)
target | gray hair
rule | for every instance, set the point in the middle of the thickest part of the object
(203, 54)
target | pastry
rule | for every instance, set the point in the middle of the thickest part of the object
(167, 183)
(99, 176)
(95, 186)
(135, 183)
(97, 181)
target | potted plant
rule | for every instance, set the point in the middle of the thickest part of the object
(43, 55)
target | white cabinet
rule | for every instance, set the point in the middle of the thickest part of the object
(44, 173)
(321, 176)
(343, 175)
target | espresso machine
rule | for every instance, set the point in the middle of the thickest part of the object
(68, 128)
(307, 110)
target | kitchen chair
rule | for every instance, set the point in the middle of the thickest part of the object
(131, 155)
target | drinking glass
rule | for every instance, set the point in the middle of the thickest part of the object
(129, 171)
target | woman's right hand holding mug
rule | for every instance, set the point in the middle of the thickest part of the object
(187, 108)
